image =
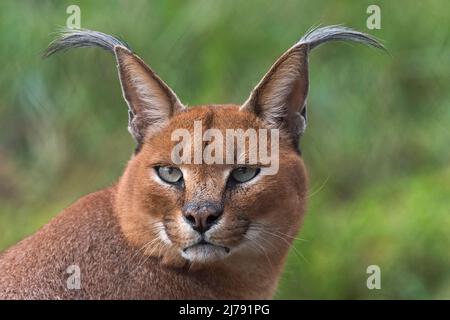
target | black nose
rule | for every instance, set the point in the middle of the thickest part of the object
(203, 216)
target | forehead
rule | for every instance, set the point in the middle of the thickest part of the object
(198, 122)
(219, 117)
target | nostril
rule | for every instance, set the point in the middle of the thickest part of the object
(191, 220)
(211, 219)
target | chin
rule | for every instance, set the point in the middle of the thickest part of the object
(205, 253)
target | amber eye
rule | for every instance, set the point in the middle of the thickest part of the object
(244, 174)
(170, 175)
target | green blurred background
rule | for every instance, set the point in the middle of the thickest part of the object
(377, 145)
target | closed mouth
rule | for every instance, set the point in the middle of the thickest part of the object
(204, 243)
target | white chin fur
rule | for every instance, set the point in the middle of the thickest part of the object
(204, 253)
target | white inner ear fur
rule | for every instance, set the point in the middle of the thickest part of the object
(274, 97)
(150, 100)
(281, 94)
(155, 104)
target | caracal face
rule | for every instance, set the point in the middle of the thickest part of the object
(247, 211)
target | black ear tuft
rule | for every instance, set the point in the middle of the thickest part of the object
(280, 97)
(150, 101)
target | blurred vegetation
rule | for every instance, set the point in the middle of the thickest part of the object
(377, 146)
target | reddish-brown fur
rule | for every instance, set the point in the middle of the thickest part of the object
(103, 232)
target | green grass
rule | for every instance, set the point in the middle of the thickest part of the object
(401, 226)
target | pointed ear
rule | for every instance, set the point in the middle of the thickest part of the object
(280, 97)
(150, 101)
